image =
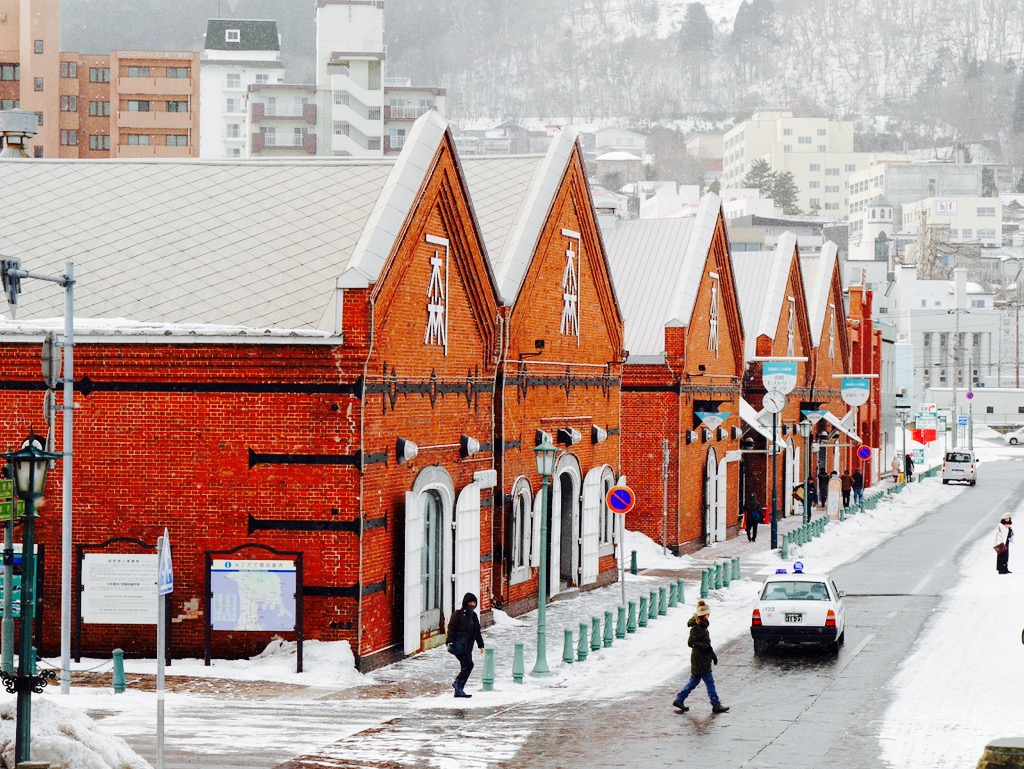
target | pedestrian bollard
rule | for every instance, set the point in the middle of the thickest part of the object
(680, 593)
(119, 682)
(672, 595)
(567, 647)
(595, 634)
(719, 575)
(518, 669)
(842, 513)
(652, 606)
(662, 601)
(726, 573)
(632, 563)
(581, 645)
(488, 677)
(785, 547)
(736, 567)
(631, 620)
(704, 583)
(609, 632)
(642, 621)
(620, 623)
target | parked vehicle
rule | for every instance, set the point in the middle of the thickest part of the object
(1014, 436)
(960, 465)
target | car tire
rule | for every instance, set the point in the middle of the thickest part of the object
(760, 648)
(1013, 441)
(833, 647)
(944, 481)
(842, 638)
(973, 482)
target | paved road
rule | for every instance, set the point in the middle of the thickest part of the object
(791, 710)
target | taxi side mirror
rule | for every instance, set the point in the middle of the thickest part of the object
(842, 594)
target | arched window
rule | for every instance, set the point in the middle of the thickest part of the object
(522, 530)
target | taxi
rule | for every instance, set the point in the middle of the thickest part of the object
(795, 607)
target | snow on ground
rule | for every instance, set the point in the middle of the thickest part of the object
(961, 687)
(66, 737)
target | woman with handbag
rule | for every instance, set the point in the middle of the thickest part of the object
(463, 631)
(1004, 535)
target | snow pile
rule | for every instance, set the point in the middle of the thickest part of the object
(66, 738)
(975, 635)
(501, 618)
(649, 554)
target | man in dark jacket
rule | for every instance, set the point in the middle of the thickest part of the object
(908, 467)
(858, 486)
(463, 631)
(847, 481)
(822, 486)
(752, 516)
(701, 659)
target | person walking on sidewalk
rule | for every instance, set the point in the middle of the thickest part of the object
(847, 487)
(752, 516)
(858, 487)
(835, 491)
(702, 657)
(822, 485)
(1004, 535)
(463, 631)
(908, 467)
(812, 492)
(895, 465)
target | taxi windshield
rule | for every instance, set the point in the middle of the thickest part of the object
(795, 591)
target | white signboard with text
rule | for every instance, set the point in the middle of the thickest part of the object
(119, 589)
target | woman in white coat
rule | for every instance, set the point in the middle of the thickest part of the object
(1004, 535)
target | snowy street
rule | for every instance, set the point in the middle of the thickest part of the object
(927, 675)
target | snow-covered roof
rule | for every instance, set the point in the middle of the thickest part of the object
(761, 278)
(657, 265)
(512, 196)
(619, 157)
(817, 274)
(233, 244)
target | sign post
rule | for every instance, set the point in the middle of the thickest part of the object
(620, 499)
(165, 586)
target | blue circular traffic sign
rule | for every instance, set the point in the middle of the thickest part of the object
(620, 499)
(970, 395)
(864, 452)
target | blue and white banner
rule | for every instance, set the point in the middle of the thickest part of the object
(712, 419)
(856, 390)
(779, 375)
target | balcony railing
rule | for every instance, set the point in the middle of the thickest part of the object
(404, 113)
(305, 112)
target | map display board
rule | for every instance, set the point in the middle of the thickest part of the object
(252, 595)
(119, 589)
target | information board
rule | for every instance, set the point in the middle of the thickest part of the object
(252, 595)
(119, 589)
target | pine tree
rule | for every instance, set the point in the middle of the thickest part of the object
(760, 177)
(1017, 119)
(785, 192)
(697, 34)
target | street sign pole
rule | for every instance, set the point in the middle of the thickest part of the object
(7, 623)
(620, 499)
(165, 586)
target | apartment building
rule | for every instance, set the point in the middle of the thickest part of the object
(238, 54)
(970, 219)
(30, 67)
(282, 120)
(817, 151)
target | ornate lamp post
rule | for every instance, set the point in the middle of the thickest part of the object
(29, 464)
(545, 455)
(805, 429)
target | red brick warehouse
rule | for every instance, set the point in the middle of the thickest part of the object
(561, 358)
(681, 381)
(287, 333)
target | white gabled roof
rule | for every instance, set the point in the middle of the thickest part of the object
(657, 265)
(236, 244)
(761, 278)
(512, 198)
(817, 272)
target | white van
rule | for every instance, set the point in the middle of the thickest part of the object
(960, 465)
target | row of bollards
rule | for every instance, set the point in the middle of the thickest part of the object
(719, 575)
(803, 534)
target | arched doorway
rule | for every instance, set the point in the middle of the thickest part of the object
(711, 527)
(564, 525)
(429, 555)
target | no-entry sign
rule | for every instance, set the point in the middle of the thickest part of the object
(864, 452)
(620, 499)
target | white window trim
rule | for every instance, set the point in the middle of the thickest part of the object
(232, 35)
(521, 488)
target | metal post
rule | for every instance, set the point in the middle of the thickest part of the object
(956, 375)
(664, 504)
(582, 644)
(488, 677)
(7, 624)
(567, 652)
(775, 499)
(622, 556)
(68, 407)
(540, 667)
(23, 735)
(609, 630)
(518, 668)
(807, 470)
(161, 619)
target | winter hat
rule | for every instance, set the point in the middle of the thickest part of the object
(1006, 519)
(468, 599)
(703, 609)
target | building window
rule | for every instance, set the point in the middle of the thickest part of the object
(138, 72)
(234, 106)
(522, 530)
(69, 138)
(178, 72)
(99, 74)
(787, 131)
(99, 109)
(233, 80)
(990, 409)
(373, 113)
(10, 104)
(814, 185)
(340, 97)
(37, 152)
(262, 78)
(803, 140)
(822, 132)
(99, 142)
(234, 152)
(986, 211)
(831, 206)
(814, 202)
(39, 117)
(234, 131)
(38, 46)
(138, 106)
(177, 140)
(177, 106)
(987, 234)
(850, 168)
(815, 167)
(69, 69)
(787, 147)
(232, 35)
(137, 140)
(37, 84)
(1020, 409)
(835, 188)
(341, 128)
(373, 144)
(968, 232)
(69, 104)
(831, 172)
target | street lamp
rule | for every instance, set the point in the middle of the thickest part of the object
(805, 429)
(903, 411)
(29, 464)
(545, 455)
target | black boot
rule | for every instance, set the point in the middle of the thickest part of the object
(679, 704)
(718, 707)
(460, 691)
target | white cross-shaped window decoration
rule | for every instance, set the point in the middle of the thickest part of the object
(570, 325)
(790, 332)
(832, 335)
(713, 317)
(437, 295)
